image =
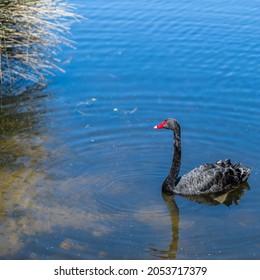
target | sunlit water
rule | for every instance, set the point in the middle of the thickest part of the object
(81, 166)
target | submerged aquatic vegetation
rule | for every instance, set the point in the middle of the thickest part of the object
(31, 33)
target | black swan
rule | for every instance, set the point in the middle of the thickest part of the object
(209, 178)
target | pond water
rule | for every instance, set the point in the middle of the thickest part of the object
(81, 166)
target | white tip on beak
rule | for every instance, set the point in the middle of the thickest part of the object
(155, 127)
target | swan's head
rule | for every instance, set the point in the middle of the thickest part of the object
(168, 124)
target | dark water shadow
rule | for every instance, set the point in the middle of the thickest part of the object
(226, 198)
(22, 126)
(21, 88)
(21, 117)
(230, 198)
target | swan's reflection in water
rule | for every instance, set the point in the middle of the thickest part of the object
(229, 198)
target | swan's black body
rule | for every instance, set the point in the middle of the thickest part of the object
(209, 178)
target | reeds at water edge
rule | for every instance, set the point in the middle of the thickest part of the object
(31, 35)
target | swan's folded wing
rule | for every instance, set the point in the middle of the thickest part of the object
(205, 179)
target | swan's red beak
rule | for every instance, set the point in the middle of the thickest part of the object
(161, 125)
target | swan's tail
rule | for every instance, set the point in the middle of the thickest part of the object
(242, 171)
(239, 172)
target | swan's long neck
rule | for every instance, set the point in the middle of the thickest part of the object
(170, 181)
